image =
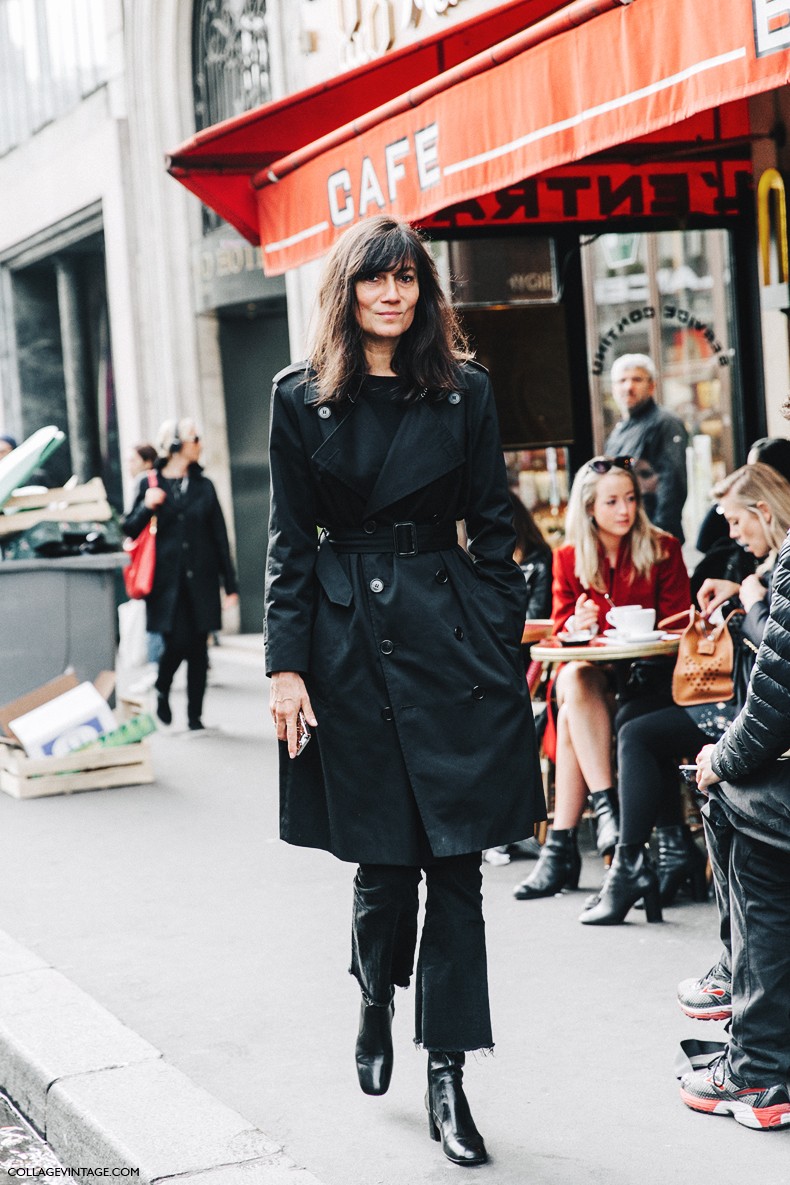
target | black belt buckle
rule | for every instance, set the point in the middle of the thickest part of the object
(404, 536)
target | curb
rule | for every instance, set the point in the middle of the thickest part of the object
(105, 1099)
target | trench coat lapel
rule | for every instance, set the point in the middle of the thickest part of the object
(422, 450)
(344, 449)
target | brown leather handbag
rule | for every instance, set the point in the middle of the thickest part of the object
(704, 666)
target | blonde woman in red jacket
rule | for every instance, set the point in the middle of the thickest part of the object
(614, 556)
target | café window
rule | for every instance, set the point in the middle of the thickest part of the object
(668, 294)
(506, 293)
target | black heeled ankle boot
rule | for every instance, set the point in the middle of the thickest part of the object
(374, 1047)
(558, 867)
(449, 1117)
(631, 877)
(607, 821)
(680, 862)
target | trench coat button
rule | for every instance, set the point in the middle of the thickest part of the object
(478, 692)
(459, 633)
(377, 585)
(369, 527)
(190, 575)
(387, 714)
(386, 646)
(185, 545)
(325, 412)
(441, 576)
(453, 397)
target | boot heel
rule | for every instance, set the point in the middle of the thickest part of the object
(653, 906)
(433, 1130)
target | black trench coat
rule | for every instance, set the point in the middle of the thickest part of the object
(191, 540)
(412, 663)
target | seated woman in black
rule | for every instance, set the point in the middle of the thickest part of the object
(755, 501)
(533, 556)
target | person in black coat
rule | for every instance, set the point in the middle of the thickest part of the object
(533, 556)
(399, 649)
(747, 829)
(192, 556)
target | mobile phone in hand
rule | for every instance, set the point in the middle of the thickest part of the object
(303, 735)
(688, 773)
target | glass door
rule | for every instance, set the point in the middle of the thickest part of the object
(668, 294)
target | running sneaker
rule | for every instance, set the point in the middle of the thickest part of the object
(709, 998)
(717, 1091)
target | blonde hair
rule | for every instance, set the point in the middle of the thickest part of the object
(645, 540)
(172, 431)
(760, 483)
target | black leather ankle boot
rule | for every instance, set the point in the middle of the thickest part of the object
(374, 1047)
(680, 862)
(607, 820)
(449, 1117)
(558, 867)
(631, 876)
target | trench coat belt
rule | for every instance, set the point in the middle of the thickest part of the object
(402, 539)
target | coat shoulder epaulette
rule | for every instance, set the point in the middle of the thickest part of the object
(293, 372)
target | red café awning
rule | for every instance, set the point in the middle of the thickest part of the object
(557, 92)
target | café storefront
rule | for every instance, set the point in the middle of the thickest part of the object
(587, 173)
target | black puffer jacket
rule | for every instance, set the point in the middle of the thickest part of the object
(761, 732)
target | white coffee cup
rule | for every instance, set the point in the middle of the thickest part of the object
(630, 620)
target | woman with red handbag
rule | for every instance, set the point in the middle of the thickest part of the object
(192, 557)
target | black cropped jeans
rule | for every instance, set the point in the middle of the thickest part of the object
(451, 989)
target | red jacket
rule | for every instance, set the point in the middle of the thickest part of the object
(665, 589)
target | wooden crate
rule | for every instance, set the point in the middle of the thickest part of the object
(92, 769)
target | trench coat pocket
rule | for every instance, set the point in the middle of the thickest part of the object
(330, 575)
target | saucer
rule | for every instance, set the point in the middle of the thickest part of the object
(652, 636)
(578, 638)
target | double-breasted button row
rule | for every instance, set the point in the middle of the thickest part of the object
(441, 576)
(459, 633)
(386, 647)
(387, 714)
(478, 692)
(370, 526)
(376, 585)
(453, 397)
(325, 412)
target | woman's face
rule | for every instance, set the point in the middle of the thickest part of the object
(135, 465)
(386, 302)
(614, 507)
(748, 525)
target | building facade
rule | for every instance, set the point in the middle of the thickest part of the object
(125, 301)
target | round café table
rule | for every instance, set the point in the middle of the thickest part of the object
(602, 650)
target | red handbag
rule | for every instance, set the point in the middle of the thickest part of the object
(138, 575)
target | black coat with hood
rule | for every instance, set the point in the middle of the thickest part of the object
(412, 662)
(755, 790)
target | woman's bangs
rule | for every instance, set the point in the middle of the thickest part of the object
(389, 253)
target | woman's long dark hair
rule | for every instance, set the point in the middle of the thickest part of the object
(428, 354)
(529, 537)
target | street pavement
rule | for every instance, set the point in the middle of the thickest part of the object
(177, 908)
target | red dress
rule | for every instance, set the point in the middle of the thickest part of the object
(665, 588)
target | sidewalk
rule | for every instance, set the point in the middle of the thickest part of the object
(174, 987)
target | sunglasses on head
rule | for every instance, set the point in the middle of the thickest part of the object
(604, 464)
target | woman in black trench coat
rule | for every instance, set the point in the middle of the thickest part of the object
(401, 649)
(192, 556)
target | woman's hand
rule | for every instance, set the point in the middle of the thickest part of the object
(752, 591)
(585, 615)
(705, 775)
(287, 698)
(154, 497)
(715, 592)
(230, 600)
